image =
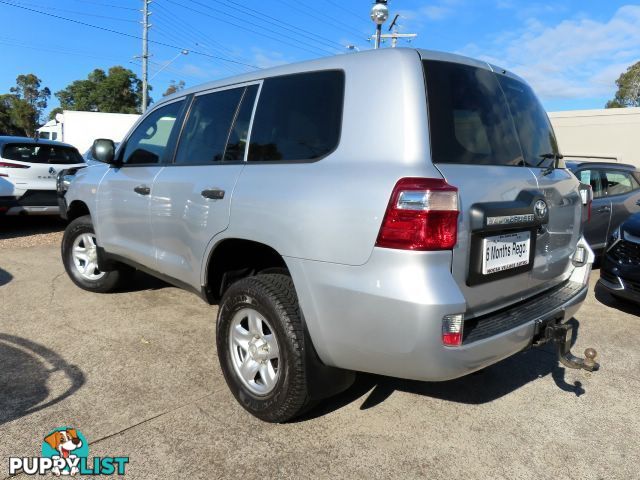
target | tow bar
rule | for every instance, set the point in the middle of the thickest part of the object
(560, 334)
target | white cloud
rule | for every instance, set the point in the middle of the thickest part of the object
(577, 58)
(266, 59)
(435, 12)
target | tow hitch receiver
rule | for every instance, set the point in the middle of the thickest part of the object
(560, 335)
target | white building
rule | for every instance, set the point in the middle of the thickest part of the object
(601, 135)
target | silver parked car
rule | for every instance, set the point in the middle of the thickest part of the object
(401, 212)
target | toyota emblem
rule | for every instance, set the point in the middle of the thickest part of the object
(540, 209)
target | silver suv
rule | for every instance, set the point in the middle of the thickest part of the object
(401, 212)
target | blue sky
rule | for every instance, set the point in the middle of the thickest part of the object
(571, 51)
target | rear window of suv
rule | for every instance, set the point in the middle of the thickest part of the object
(41, 153)
(479, 117)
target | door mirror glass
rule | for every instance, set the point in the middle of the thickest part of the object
(104, 150)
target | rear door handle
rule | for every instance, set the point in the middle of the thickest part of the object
(142, 190)
(603, 210)
(213, 194)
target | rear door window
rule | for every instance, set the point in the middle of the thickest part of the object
(618, 182)
(206, 132)
(298, 117)
(469, 118)
(41, 153)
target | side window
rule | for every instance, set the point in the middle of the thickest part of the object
(619, 182)
(148, 143)
(592, 177)
(298, 117)
(212, 121)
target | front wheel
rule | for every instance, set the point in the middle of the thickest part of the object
(260, 339)
(80, 259)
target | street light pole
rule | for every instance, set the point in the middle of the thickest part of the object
(182, 52)
(379, 15)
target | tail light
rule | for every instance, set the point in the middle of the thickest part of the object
(452, 326)
(422, 215)
(13, 165)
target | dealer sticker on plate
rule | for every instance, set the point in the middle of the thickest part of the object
(504, 252)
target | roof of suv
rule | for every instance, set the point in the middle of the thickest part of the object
(373, 59)
(28, 140)
(576, 165)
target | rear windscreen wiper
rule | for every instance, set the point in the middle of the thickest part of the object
(546, 156)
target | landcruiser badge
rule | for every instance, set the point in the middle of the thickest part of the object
(540, 209)
(52, 171)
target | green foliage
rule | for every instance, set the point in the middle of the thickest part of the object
(118, 91)
(17, 116)
(54, 112)
(628, 94)
(21, 109)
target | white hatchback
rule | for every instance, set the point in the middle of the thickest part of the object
(28, 172)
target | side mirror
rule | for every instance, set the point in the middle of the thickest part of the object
(104, 150)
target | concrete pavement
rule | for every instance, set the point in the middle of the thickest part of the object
(137, 373)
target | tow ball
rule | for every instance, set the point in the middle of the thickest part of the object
(560, 335)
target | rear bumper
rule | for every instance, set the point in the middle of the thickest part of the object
(385, 317)
(33, 202)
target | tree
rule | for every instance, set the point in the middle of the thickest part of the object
(28, 89)
(628, 94)
(54, 112)
(118, 91)
(173, 88)
(17, 116)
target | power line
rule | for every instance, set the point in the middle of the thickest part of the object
(124, 34)
(298, 46)
(284, 25)
(322, 16)
(344, 9)
(75, 12)
(102, 4)
(193, 33)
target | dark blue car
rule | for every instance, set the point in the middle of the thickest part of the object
(620, 272)
(616, 195)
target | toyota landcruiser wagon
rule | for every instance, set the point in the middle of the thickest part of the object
(401, 212)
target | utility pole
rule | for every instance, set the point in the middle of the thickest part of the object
(145, 54)
(394, 35)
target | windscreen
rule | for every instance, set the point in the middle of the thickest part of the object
(479, 117)
(41, 153)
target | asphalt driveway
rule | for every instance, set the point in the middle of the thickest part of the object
(137, 373)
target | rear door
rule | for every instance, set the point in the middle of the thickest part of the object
(623, 192)
(191, 197)
(506, 247)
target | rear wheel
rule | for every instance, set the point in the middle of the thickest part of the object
(79, 255)
(260, 338)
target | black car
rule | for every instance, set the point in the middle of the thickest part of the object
(620, 271)
(616, 195)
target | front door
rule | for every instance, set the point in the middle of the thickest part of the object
(191, 198)
(123, 226)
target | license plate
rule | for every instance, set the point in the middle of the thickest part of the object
(504, 252)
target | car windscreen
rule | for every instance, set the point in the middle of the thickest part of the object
(479, 117)
(41, 153)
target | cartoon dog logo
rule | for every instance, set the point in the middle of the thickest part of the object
(65, 442)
